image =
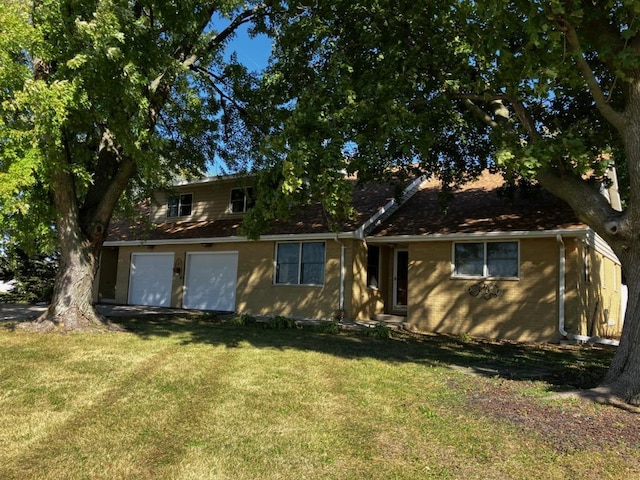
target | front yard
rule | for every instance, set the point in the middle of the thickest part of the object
(195, 398)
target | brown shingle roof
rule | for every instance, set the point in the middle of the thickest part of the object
(367, 199)
(479, 206)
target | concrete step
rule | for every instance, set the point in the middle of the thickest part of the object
(390, 318)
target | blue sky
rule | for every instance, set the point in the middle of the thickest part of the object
(252, 52)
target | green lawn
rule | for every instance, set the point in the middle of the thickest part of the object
(194, 398)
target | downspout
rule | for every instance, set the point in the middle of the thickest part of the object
(343, 249)
(561, 286)
(561, 303)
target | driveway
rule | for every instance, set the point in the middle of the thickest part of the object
(11, 311)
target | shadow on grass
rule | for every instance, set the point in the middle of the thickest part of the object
(562, 367)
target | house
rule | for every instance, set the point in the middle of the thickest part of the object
(491, 263)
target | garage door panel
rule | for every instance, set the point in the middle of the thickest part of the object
(210, 282)
(150, 279)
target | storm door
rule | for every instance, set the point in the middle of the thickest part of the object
(400, 279)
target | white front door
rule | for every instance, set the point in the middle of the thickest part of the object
(210, 281)
(150, 279)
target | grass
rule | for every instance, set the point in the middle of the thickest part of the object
(196, 398)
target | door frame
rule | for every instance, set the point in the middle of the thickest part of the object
(396, 252)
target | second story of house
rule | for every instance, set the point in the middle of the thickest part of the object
(212, 198)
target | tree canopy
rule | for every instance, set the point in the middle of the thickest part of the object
(545, 90)
(102, 101)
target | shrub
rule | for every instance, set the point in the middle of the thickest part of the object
(281, 323)
(331, 327)
(380, 330)
(244, 319)
(34, 277)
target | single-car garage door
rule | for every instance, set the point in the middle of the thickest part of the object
(150, 279)
(210, 281)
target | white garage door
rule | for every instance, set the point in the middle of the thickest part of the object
(210, 282)
(150, 279)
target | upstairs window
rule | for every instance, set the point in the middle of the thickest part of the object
(486, 259)
(300, 263)
(242, 199)
(179, 205)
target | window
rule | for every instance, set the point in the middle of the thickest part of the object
(179, 205)
(486, 259)
(373, 266)
(242, 199)
(300, 263)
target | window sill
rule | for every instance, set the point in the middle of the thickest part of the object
(472, 277)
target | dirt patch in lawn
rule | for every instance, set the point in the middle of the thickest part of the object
(565, 425)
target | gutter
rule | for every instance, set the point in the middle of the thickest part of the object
(561, 285)
(561, 303)
(298, 237)
(496, 235)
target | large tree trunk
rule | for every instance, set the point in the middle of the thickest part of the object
(623, 378)
(80, 243)
(71, 306)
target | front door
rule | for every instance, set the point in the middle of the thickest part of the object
(400, 279)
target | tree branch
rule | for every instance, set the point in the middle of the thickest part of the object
(112, 178)
(525, 119)
(589, 204)
(216, 41)
(224, 96)
(611, 115)
(479, 113)
(498, 100)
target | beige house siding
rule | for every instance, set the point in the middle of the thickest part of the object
(598, 292)
(366, 302)
(258, 295)
(526, 309)
(211, 201)
(256, 292)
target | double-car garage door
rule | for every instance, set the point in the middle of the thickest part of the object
(209, 280)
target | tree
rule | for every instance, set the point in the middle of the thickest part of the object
(101, 101)
(548, 90)
(32, 276)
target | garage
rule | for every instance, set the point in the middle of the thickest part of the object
(210, 281)
(150, 279)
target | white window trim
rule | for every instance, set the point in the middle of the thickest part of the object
(484, 275)
(180, 195)
(299, 284)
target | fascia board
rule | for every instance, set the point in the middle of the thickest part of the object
(598, 243)
(438, 237)
(233, 239)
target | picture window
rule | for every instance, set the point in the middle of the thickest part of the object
(300, 263)
(486, 259)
